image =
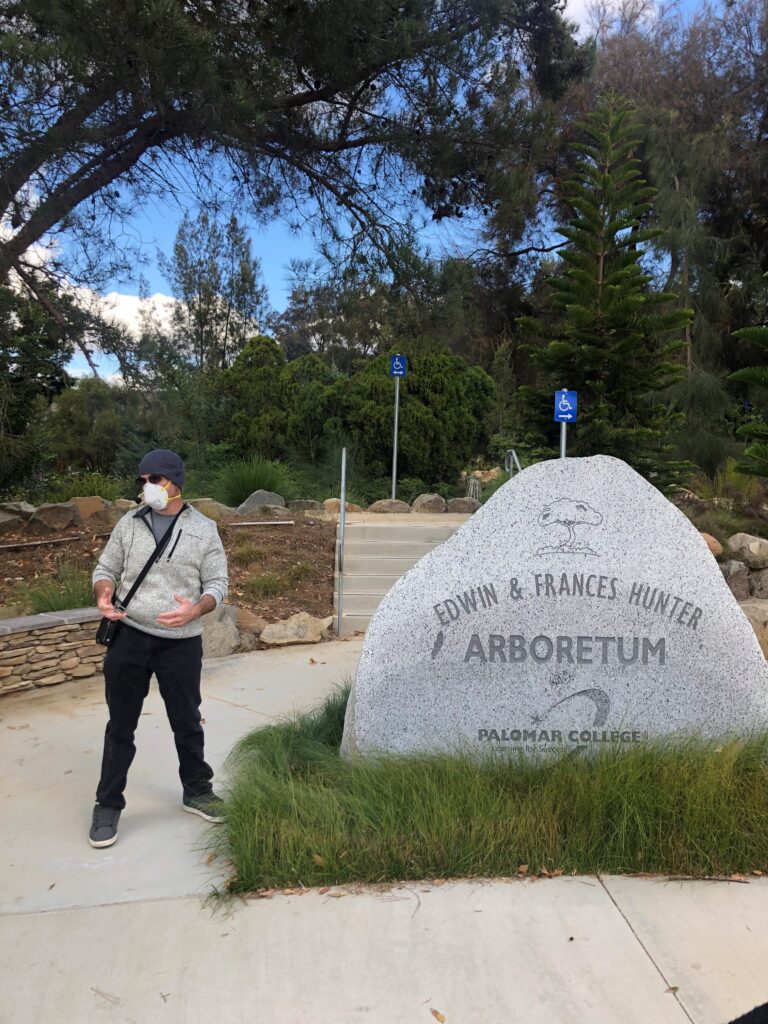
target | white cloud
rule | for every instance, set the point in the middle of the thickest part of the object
(578, 11)
(125, 309)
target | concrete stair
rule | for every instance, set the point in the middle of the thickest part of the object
(376, 554)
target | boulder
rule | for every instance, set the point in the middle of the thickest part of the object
(334, 505)
(758, 583)
(392, 505)
(210, 507)
(125, 504)
(578, 609)
(712, 543)
(22, 509)
(52, 518)
(89, 506)
(753, 551)
(306, 505)
(220, 635)
(258, 500)
(248, 642)
(298, 629)
(9, 522)
(736, 575)
(108, 517)
(463, 505)
(757, 614)
(429, 503)
(249, 622)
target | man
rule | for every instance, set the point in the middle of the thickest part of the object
(159, 633)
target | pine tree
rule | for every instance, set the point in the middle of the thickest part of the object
(611, 342)
(755, 461)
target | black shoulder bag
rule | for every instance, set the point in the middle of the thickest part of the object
(107, 630)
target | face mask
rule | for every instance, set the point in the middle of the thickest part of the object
(156, 496)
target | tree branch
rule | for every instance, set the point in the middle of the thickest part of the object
(74, 191)
(55, 313)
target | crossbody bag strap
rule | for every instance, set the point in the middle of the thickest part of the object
(159, 548)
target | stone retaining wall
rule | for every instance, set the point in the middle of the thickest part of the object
(42, 650)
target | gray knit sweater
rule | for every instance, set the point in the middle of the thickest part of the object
(192, 564)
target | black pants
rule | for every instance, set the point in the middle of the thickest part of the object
(128, 667)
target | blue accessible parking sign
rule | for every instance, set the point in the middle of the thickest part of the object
(398, 366)
(566, 406)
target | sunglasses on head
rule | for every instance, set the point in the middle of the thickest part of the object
(150, 478)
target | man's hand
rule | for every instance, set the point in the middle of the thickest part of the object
(180, 616)
(104, 591)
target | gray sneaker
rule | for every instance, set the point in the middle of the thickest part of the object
(207, 805)
(104, 826)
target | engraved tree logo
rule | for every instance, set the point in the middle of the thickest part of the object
(570, 513)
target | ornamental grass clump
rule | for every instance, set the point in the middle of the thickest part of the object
(299, 814)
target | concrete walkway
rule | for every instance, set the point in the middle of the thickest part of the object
(126, 935)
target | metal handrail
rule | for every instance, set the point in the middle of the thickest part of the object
(474, 488)
(342, 524)
(510, 460)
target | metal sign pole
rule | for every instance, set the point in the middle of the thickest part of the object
(563, 430)
(394, 447)
(342, 522)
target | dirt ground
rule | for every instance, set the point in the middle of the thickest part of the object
(298, 559)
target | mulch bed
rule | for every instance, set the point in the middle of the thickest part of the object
(309, 543)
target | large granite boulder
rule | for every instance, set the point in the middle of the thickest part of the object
(713, 544)
(249, 622)
(391, 505)
(108, 517)
(758, 583)
(307, 505)
(578, 608)
(753, 551)
(210, 507)
(22, 509)
(52, 518)
(463, 505)
(736, 575)
(429, 503)
(333, 505)
(301, 628)
(756, 611)
(220, 633)
(89, 506)
(258, 500)
(9, 522)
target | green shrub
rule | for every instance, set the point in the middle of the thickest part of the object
(297, 573)
(268, 585)
(299, 814)
(81, 485)
(247, 553)
(271, 584)
(729, 483)
(490, 489)
(723, 523)
(69, 588)
(238, 480)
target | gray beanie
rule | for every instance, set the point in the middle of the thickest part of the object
(164, 463)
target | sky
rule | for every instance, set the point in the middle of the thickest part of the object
(275, 245)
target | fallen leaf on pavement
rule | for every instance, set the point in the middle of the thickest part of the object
(673, 989)
(437, 1015)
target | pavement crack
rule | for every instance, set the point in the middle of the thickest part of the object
(668, 984)
(234, 704)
